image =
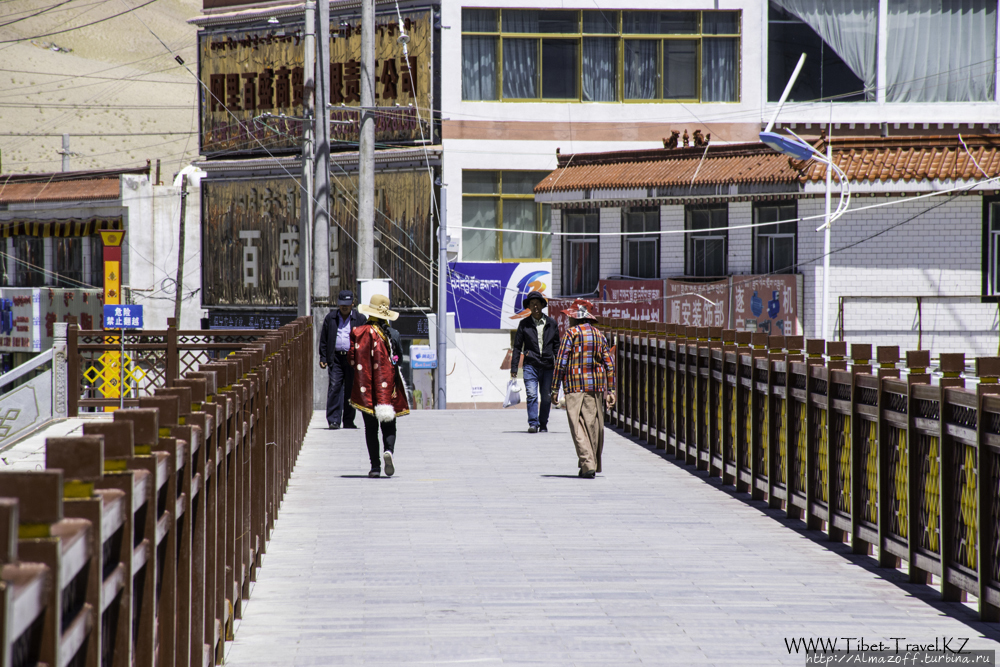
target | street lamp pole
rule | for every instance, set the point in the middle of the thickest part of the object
(826, 236)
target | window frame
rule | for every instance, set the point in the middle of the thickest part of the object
(759, 231)
(543, 214)
(621, 36)
(649, 235)
(23, 273)
(568, 241)
(991, 251)
(691, 235)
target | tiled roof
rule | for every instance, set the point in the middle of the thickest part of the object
(85, 190)
(912, 158)
(893, 158)
(734, 163)
(64, 186)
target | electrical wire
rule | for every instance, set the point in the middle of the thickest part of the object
(79, 27)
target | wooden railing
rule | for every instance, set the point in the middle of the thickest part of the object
(138, 542)
(875, 455)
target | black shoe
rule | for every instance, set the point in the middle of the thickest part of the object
(334, 427)
(374, 472)
(543, 429)
(588, 475)
(532, 429)
(349, 426)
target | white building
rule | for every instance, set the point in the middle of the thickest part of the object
(50, 226)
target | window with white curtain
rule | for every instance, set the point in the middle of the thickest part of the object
(839, 39)
(936, 50)
(600, 56)
(501, 205)
(941, 50)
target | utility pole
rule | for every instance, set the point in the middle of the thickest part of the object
(65, 153)
(320, 192)
(366, 149)
(321, 229)
(179, 289)
(441, 379)
(305, 227)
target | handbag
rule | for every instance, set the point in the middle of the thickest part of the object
(513, 394)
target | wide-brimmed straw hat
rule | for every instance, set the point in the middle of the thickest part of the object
(378, 306)
(581, 309)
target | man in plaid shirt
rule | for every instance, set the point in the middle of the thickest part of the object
(586, 370)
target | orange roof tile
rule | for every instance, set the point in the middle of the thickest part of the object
(88, 185)
(81, 190)
(738, 163)
(912, 158)
(893, 158)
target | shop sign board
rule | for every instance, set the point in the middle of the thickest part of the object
(422, 356)
(640, 300)
(34, 312)
(490, 295)
(755, 303)
(253, 83)
(250, 239)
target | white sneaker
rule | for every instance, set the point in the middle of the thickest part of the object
(387, 459)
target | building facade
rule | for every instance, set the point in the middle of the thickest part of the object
(516, 85)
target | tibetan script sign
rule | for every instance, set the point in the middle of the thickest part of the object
(254, 84)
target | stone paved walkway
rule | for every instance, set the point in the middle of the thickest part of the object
(485, 548)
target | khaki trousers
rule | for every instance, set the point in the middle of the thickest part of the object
(585, 411)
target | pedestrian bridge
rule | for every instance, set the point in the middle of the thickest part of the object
(273, 547)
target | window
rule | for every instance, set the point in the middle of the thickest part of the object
(941, 50)
(30, 254)
(774, 246)
(641, 254)
(600, 56)
(936, 50)
(706, 248)
(992, 253)
(96, 262)
(504, 200)
(69, 261)
(839, 45)
(581, 254)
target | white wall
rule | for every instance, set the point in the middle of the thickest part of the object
(153, 244)
(938, 252)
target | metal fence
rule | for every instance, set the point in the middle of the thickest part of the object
(874, 454)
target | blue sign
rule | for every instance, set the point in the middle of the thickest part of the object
(490, 295)
(122, 317)
(422, 356)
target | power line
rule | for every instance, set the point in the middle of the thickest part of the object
(85, 25)
(38, 13)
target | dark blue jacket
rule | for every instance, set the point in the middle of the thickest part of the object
(328, 335)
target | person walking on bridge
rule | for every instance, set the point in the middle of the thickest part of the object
(586, 370)
(334, 344)
(379, 392)
(538, 336)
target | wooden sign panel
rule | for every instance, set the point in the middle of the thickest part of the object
(252, 72)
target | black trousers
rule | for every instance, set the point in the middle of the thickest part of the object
(339, 411)
(372, 426)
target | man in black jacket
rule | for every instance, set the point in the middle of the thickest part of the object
(334, 343)
(538, 336)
